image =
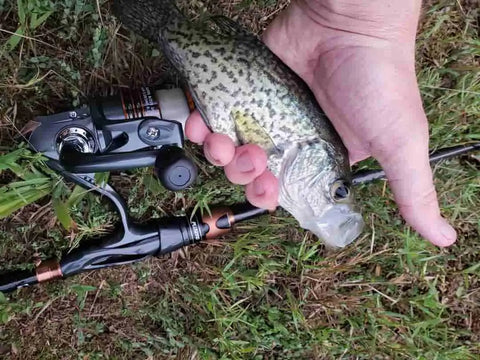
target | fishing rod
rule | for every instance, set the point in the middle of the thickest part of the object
(127, 131)
(132, 242)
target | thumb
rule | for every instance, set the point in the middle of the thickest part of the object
(406, 164)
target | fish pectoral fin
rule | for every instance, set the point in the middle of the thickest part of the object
(200, 106)
(302, 163)
(249, 131)
(227, 26)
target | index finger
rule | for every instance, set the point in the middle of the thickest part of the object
(195, 129)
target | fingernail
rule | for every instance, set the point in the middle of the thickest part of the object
(206, 148)
(244, 163)
(258, 188)
(448, 232)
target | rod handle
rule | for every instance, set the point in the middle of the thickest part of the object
(17, 279)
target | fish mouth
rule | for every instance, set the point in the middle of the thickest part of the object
(339, 226)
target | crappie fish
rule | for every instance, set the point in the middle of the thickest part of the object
(245, 91)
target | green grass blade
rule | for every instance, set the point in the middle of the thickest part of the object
(37, 21)
(17, 197)
(62, 212)
(15, 39)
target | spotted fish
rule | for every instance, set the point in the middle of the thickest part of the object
(245, 91)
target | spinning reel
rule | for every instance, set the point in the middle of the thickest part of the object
(130, 130)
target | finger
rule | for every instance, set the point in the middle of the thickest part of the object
(408, 170)
(263, 191)
(219, 149)
(195, 129)
(249, 162)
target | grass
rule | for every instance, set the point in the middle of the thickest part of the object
(270, 290)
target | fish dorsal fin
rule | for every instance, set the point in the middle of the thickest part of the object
(227, 26)
(249, 131)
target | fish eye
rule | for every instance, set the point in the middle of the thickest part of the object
(340, 190)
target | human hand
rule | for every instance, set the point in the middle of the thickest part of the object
(358, 58)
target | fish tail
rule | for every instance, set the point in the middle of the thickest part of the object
(147, 17)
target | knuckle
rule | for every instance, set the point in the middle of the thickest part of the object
(395, 148)
(423, 200)
(428, 198)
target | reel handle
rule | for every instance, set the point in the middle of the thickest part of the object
(175, 170)
(85, 163)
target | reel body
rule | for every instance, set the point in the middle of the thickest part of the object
(130, 130)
